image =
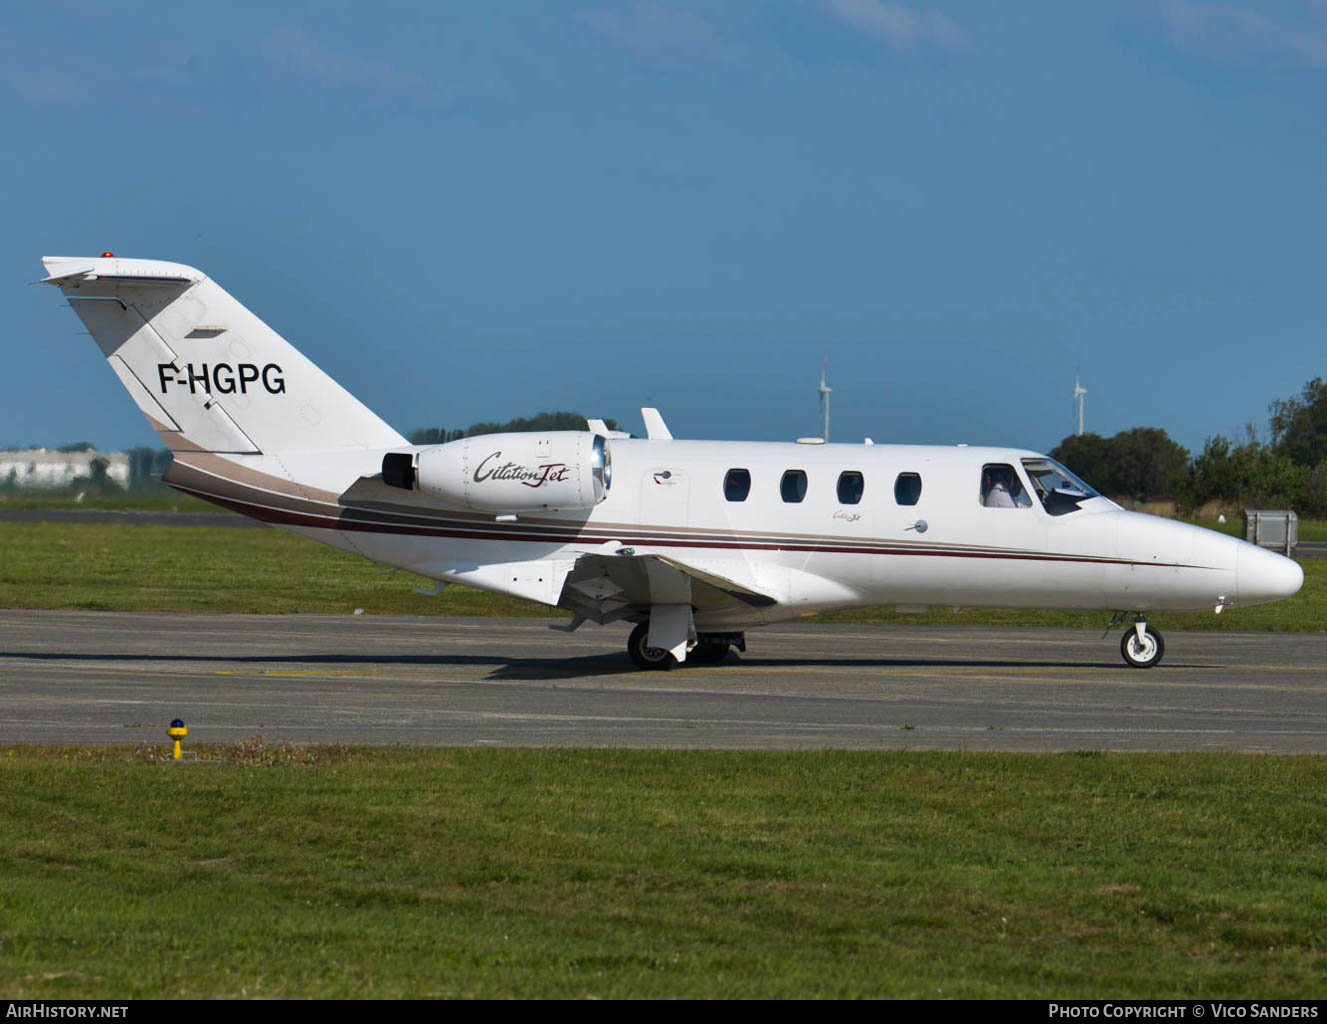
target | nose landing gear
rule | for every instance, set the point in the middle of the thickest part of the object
(1141, 646)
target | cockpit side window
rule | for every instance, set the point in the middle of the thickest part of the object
(1059, 490)
(1001, 487)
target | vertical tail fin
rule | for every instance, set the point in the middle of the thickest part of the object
(207, 373)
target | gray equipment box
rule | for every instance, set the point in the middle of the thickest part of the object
(1272, 528)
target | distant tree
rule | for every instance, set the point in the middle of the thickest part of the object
(434, 435)
(1141, 463)
(97, 479)
(1299, 425)
(1313, 495)
(1250, 474)
(1147, 463)
(78, 446)
(146, 464)
(1290, 471)
(1089, 456)
(542, 421)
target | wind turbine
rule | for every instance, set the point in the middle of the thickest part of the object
(824, 396)
(1079, 392)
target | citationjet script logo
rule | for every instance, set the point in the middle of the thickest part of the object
(531, 476)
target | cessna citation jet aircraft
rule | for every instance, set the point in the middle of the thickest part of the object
(694, 541)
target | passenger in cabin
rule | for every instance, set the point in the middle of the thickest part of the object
(996, 487)
(1000, 488)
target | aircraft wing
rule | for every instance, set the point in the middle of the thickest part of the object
(606, 587)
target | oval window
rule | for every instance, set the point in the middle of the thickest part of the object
(908, 488)
(851, 486)
(793, 485)
(737, 485)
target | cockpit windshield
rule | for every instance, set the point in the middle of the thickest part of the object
(1060, 491)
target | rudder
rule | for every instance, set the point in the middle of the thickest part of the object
(209, 374)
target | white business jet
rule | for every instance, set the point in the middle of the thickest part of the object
(694, 541)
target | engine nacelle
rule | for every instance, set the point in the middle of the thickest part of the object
(565, 469)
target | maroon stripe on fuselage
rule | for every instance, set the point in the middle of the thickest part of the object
(286, 517)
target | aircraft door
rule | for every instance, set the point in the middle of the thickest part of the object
(1009, 521)
(665, 496)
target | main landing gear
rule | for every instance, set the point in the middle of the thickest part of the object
(1141, 646)
(710, 649)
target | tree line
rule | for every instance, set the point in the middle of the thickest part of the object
(1287, 471)
(520, 425)
(1141, 464)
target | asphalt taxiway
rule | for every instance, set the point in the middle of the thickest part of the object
(110, 677)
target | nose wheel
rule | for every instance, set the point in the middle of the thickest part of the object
(1142, 646)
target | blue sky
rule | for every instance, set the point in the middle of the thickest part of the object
(480, 211)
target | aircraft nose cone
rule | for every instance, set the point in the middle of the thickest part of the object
(1262, 575)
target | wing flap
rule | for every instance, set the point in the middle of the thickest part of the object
(605, 587)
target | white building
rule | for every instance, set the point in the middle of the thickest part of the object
(37, 467)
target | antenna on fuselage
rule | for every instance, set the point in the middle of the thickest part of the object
(824, 390)
(1079, 392)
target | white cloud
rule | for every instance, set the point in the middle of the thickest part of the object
(47, 85)
(298, 52)
(660, 34)
(896, 26)
(1231, 33)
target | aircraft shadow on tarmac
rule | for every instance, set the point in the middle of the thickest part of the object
(559, 668)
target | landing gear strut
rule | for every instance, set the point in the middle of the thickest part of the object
(710, 649)
(1142, 646)
(647, 657)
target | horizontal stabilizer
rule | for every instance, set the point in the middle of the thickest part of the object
(66, 272)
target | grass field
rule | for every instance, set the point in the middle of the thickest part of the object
(216, 569)
(116, 567)
(154, 499)
(403, 872)
(388, 872)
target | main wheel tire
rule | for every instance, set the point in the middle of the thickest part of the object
(643, 655)
(1142, 654)
(708, 652)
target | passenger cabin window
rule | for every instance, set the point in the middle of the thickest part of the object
(1001, 487)
(851, 486)
(793, 485)
(737, 484)
(1059, 490)
(908, 488)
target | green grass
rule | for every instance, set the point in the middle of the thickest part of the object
(1309, 529)
(333, 873)
(154, 499)
(122, 567)
(116, 567)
